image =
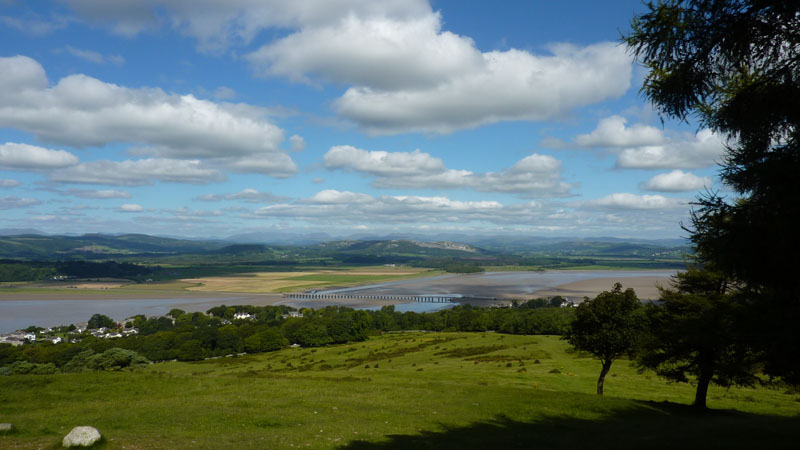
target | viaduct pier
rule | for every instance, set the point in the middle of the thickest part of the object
(438, 298)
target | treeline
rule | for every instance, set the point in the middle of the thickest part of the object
(195, 336)
(11, 270)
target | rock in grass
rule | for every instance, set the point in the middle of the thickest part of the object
(81, 437)
(6, 428)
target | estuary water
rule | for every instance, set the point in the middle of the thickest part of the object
(19, 314)
(45, 312)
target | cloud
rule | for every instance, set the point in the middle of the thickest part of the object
(378, 52)
(130, 208)
(626, 201)
(98, 194)
(34, 25)
(334, 197)
(93, 56)
(685, 152)
(137, 172)
(8, 183)
(345, 210)
(17, 202)
(246, 195)
(224, 93)
(345, 207)
(642, 146)
(30, 157)
(677, 181)
(612, 132)
(406, 74)
(186, 213)
(298, 143)
(382, 164)
(534, 176)
(511, 85)
(217, 25)
(169, 126)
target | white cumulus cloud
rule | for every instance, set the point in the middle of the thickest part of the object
(381, 163)
(217, 25)
(98, 194)
(130, 208)
(31, 157)
(677, 181)
(612, 132)
(249, 195)
(162, 125)
(509, 85)
(534, 176)
(406, 73)
(685, 152)
(138, 172)
(626, 201)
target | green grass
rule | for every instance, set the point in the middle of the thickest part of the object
(400, 390)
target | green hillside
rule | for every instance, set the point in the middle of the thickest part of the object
(399, 390)
(96, 245)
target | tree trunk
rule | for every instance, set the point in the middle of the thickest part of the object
(603, 373)
(702, 389)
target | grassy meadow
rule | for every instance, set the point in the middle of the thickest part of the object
(399, 390)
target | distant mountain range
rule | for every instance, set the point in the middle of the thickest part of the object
(363, 249)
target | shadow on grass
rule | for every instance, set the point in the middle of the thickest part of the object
(643, 426)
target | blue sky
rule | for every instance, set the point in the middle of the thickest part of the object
(200, 118)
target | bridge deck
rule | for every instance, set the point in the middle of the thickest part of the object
(415, 298)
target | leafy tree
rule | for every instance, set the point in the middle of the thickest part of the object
(24, 367)
(361, 325)
(176, 313)
(312, 335)
(735, 65)
(694, 332)
(228, 340)
(191, 350)
(114, 359)
(608, 327)
(79, 362)
(265, 341)
(154, 325)
(100, 321)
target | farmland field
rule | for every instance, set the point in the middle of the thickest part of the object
(276, 282)
(399, 390)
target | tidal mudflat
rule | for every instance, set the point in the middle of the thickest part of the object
(20, 308)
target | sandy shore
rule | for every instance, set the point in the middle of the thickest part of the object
(645, 287)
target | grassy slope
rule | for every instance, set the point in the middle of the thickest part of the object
(415, 398)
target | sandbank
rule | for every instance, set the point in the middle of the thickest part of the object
(646, 287)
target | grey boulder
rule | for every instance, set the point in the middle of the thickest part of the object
(81, 437)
